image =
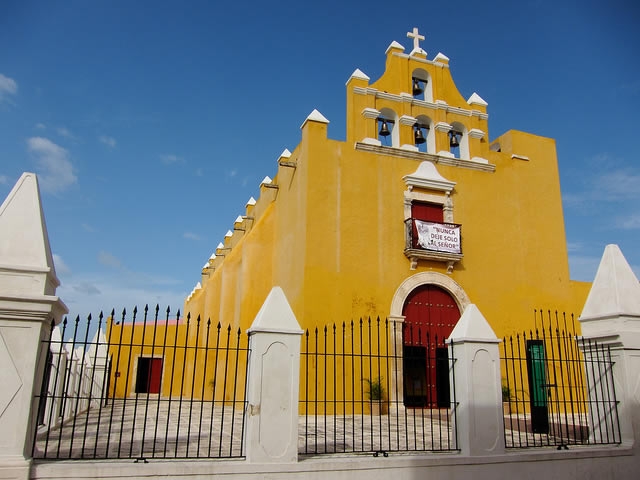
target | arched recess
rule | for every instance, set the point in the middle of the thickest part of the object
(403, 292)
(432, 278)
(393, 125)
(425, 82)
(463, 139)
(429, 133)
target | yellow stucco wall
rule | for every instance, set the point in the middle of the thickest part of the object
(330, 228)
(332, 234)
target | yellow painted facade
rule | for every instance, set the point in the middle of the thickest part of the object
(330, 230)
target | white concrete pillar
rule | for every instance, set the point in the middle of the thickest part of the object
(273, 380)
(98, 359)
(475, 375)
(28, 305)
(611, 317)
(396, 395)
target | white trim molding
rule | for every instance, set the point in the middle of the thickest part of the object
(402, 97)
(476, 133)
(427, 176)
(428, 278)
(371, 113)
(407, 120)
(443, 127)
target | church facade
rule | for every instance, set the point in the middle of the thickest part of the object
(411, 218)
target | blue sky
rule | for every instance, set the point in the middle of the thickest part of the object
(151, 123)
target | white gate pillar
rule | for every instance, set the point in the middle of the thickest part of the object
(273, 383)
(28, 306)
(475, 375)
(611, 316)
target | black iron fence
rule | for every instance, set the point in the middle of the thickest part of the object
(557, 387)
(353, 392)
(142, 388)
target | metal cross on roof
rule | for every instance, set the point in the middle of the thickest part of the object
(416, 38)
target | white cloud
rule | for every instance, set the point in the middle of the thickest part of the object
(622, 184)
(170, 158)
(8, 86)
(55, 169)
(574, 247)
(4, 180)
(40, 126)
(61, 267)
(108, 141)
(574, 199)
(631, 222)
(109, 260)
(191, 236)
(96, 292)
(65, 132)
(199, 172)
(86, 288)
(583, 267)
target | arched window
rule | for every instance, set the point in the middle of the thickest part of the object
(424, 126)
(388, 131)
(421, 85)
(459, 141)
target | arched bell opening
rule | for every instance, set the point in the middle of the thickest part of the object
(388, 128)
(421, 86)
(424, 134)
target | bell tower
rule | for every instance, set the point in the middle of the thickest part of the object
(416, 107)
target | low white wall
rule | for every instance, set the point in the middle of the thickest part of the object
(580, 464)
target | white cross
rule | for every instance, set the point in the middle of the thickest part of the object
(416, 38)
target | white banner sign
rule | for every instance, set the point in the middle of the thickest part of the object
(439, 237)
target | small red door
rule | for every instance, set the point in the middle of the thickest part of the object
(155, 375)
(430, 313)
(149, 376)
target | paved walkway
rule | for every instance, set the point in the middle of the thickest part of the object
(195, 429)
(160, 429)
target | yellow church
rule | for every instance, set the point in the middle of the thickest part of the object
(411, 218)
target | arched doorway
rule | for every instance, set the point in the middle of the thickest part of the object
(430, 314)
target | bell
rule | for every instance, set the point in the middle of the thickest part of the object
(384, 129)
(419, 137)
(454, 140)
(417, 88)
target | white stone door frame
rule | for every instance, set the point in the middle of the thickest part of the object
(396, 319)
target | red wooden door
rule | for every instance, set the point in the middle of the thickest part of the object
(430, 314)
(428, 212)
(155, 375)
(149, 376)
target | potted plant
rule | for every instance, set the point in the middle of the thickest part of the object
(506, 399)
(375, 393)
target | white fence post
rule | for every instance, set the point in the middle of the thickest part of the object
(97, 362)
(28, 306)
(273, 381)
(478, 420)
(611, 316)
